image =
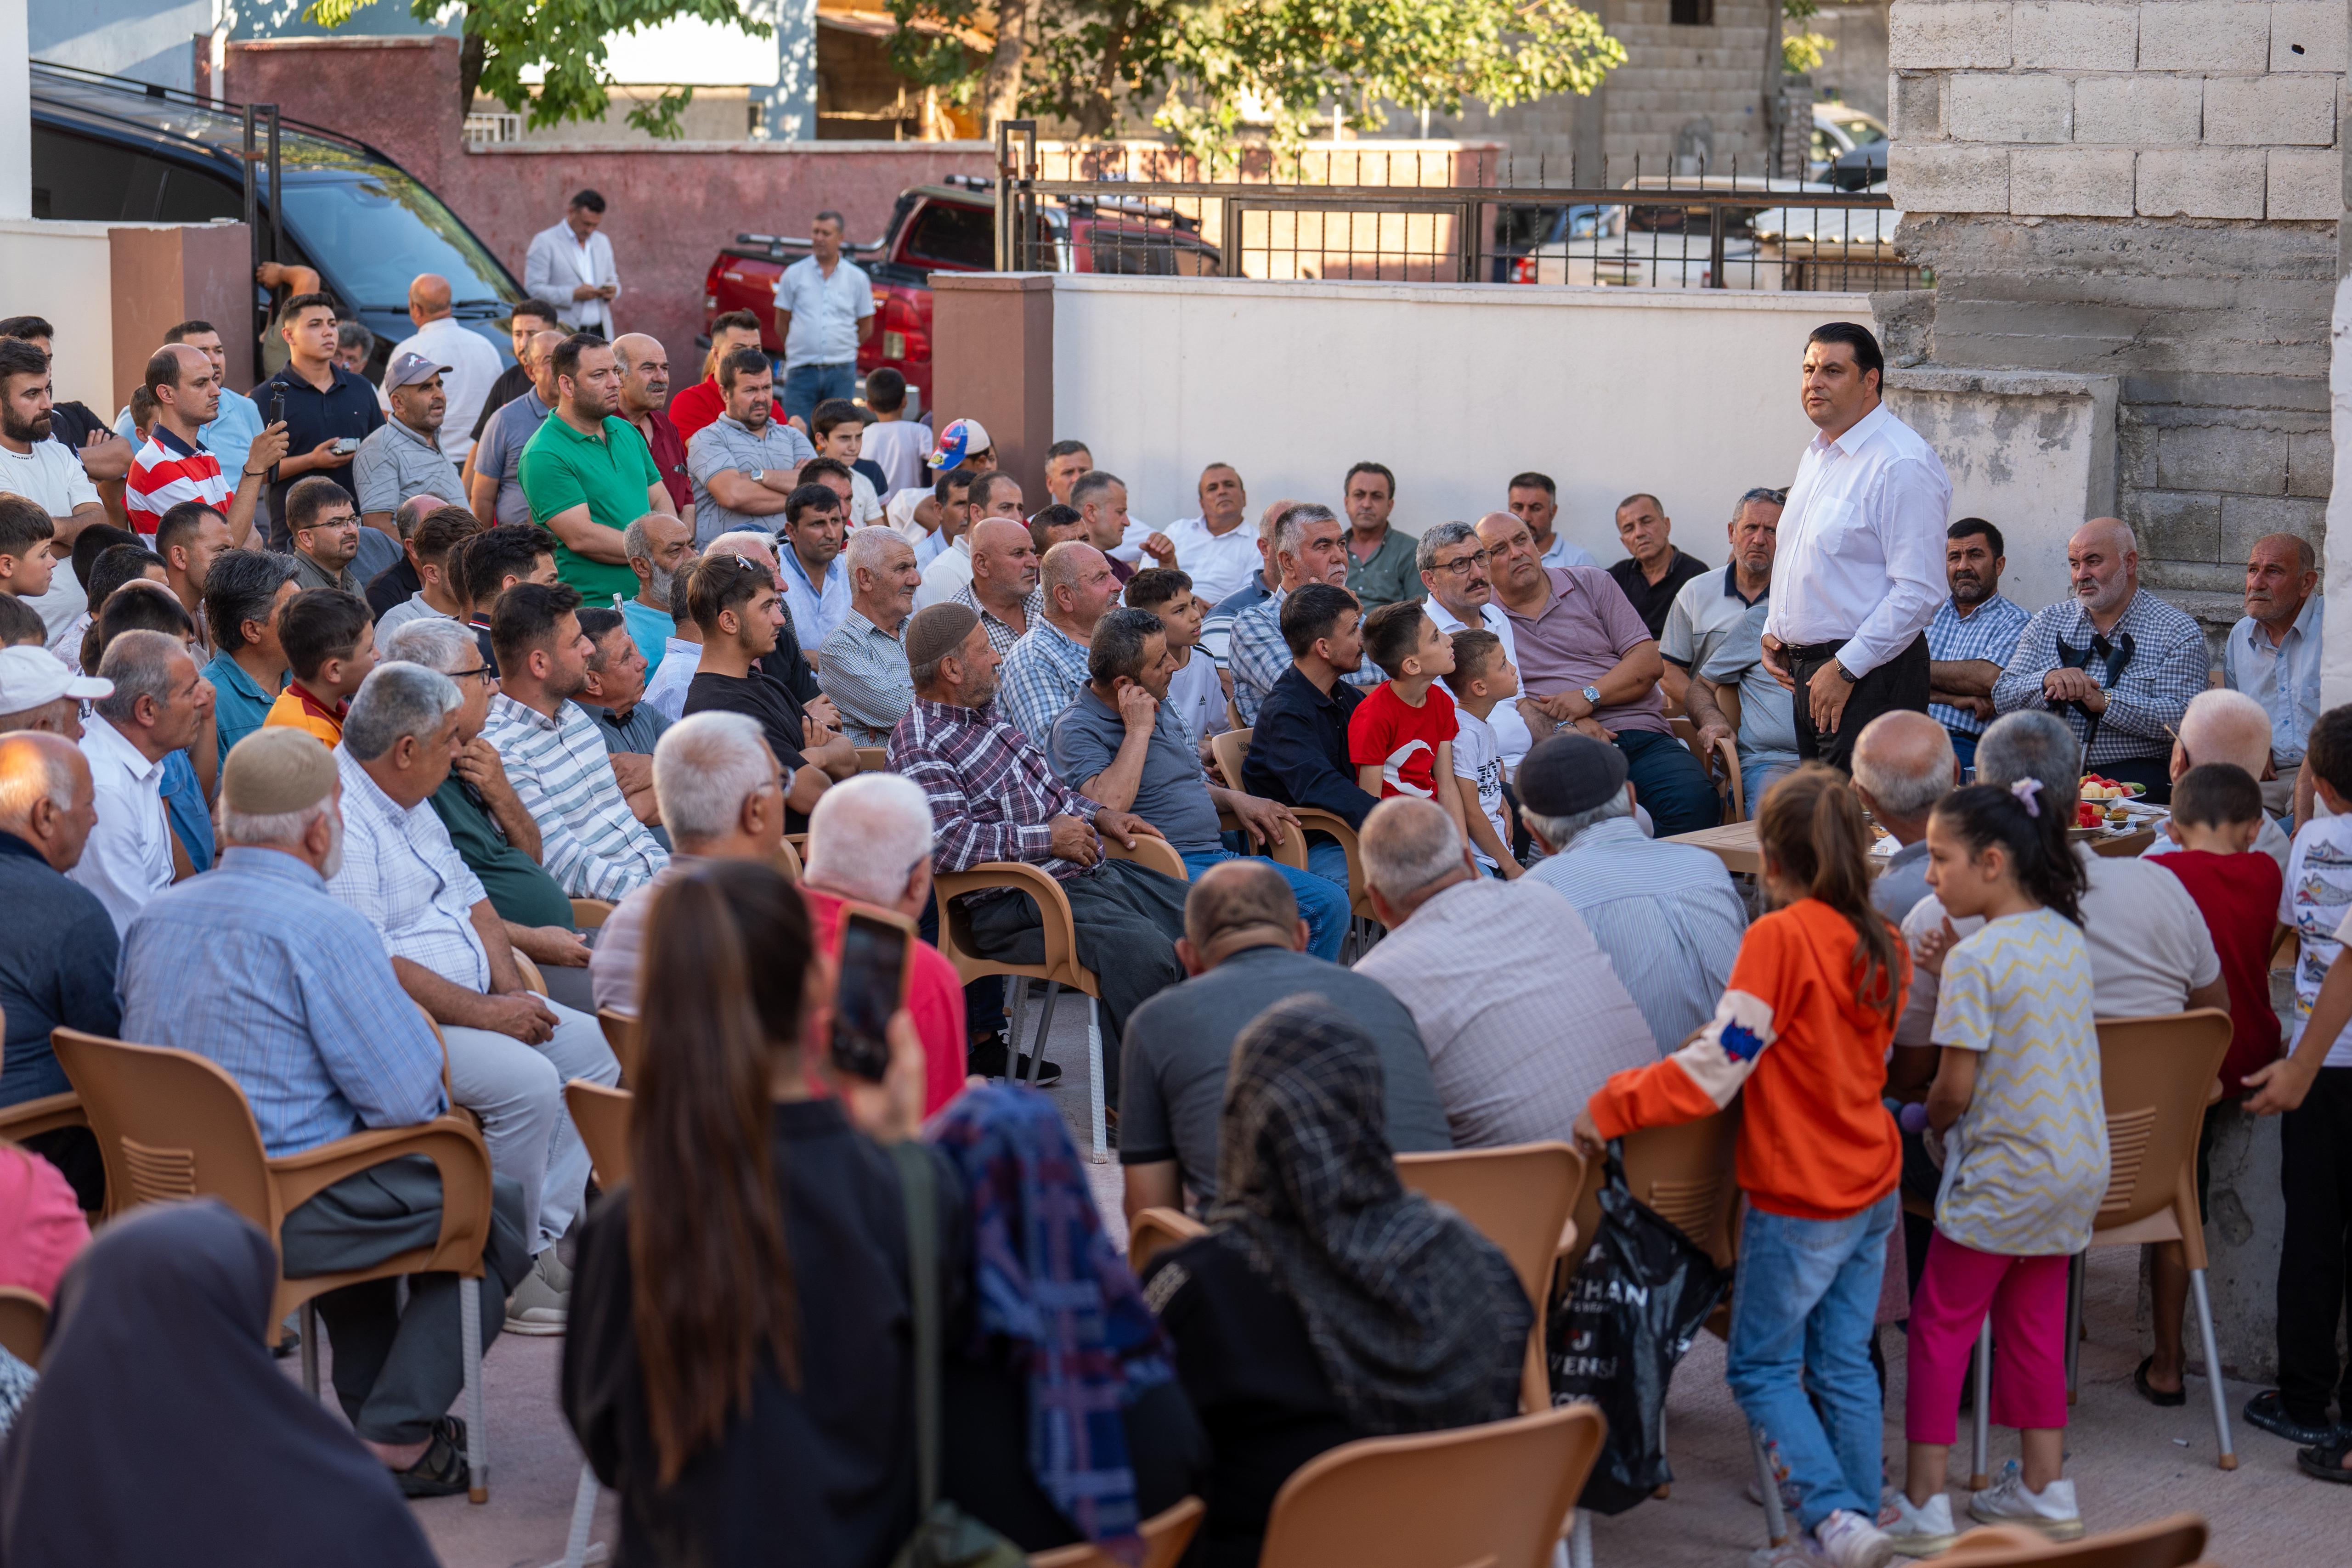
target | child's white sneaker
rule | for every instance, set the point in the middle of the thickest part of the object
(2008, 1501)
(1849, 1540)
(1921, 1531)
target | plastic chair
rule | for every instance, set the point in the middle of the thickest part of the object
(602, 1116)
(30, 1118)
(1060, 967)
(2172, 1542)
(531, 974)
(1165, 1536)
(1521, 1199)
(621, 1034)
(1477, 1497)
(1157, 855)
(24, 1324)
(1231, 750)
(588, 913)
(172, 1125)
(1688, 733)
(873, 759)
(1154, 1231)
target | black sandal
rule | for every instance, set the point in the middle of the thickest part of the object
(2326, 1461)
(2154, 1395)
(439, 1471)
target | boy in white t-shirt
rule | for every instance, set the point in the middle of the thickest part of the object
(1196, 691)
(1483, 676)
(2311, 1089)
(890, 440)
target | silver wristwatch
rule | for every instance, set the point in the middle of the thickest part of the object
(1592, 695)
(755, 474)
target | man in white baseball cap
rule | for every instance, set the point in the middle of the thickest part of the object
(39, 692)
(963, 442)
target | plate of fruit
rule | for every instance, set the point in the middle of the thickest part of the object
(2097, 787)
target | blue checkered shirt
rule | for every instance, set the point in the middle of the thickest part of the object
(1001, 636)
(864, 670)
(1042, 673)
(2168, 666)
(1990, 633)
(402, 872)
(253, 966)
(1258, 656)
(589, 842)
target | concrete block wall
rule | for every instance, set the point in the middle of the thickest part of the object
(2149, 190)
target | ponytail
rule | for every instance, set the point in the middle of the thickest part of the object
(713, 1282)
(2030, 827)
(1812, 827)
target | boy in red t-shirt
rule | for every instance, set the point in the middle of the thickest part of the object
(2217, 813)
(1401, 737)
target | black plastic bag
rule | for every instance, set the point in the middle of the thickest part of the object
(1630, 1314)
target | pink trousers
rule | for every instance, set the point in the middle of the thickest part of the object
(2027, 1297)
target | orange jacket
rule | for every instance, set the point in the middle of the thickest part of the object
(1815, 1140)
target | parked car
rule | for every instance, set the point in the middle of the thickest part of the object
(1844, 249)
(1667, 244)
(1521, 231)
(1840, 129)
(951, 227)
(112, 151)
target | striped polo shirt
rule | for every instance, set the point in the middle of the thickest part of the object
(167, 472)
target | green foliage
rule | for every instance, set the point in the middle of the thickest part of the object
(1804, 50)
(565, 39)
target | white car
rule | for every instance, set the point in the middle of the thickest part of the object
(1837, 249)
(1838, 129)
(1666, 243)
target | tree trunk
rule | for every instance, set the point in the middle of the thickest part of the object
(470, 55)
(1098, 112)
(1000, 90)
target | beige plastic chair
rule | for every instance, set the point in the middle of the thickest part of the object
(24, 1324)
(588, 913)
(1477, 1497)
(787, 859)
(1521, 1199)
(172, 1125)
(1688, 733)
(602, 1116)
(2172, 1542)
(1231, 750)
(1157, 855)
(873, 759)
(1165, 1536)
(1154, 1231)
(30, 1118)
(1060, 968)
(623, 1035)
(531, 974)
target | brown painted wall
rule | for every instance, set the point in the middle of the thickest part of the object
(993, 359)
(162, 277)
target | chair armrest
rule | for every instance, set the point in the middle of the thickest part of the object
(531, 974)
(1289, 849)
(587, 914)
(1725, 749)
(454, 1145)
(1060, 931)
(32, 1117)
(873, 759)
(1157, 855)
(1569, 1237)
(1313, 820)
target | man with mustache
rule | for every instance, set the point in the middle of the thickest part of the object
(1973, 634)
(2273, 654)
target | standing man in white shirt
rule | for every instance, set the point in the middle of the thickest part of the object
(1213, 549)
(45, 472)
(157, 703)
(825, 308)
(1534, 499)
(571, 265)
(473, 366)
(1858, 573)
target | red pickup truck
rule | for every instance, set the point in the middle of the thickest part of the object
(951, 227)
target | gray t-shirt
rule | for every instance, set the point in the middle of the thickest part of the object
(500, 452)
(1175, 794)
(1172, 1090)
(724, 443)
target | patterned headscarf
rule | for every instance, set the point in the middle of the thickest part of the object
(1418, 1321)
(1049, 1282)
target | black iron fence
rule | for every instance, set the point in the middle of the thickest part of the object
(1357, 211)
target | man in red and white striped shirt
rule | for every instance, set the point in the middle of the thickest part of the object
(173, 465)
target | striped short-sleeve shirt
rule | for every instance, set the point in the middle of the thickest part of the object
(167, 471)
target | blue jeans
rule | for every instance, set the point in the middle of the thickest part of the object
(805, 386)
(1323, 906)
(1668, 780)
(1755, 777)
(1326, 860)
(1964, 746)
(1801, 1320)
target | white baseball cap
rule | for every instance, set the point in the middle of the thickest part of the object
(33, 678)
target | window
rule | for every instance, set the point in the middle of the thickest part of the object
(1693, 14)
(947, 234)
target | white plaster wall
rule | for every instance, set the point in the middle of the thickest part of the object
(64, 272)
(1690, 395)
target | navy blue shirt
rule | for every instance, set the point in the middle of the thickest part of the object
(1298, 750)
(347, 408)
(58, 956)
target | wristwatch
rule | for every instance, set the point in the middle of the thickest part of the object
(1850, 677)
(1592, 695)
(755, 474)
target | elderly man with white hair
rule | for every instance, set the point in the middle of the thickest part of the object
(157, 706)
(2119, 664)
(863, 660)
(1489, 970)
(2223, 726)
(1902, 764)
(510, 1050)
(665, 688)
(2273, 653)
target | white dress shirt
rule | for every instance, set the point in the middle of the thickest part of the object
(472, 364)
(947, 573)
(128, 858)
(1510, 729)
(827, 308)
(402, 872)
(1218, 564)
(1565, 551)
(665, 693)
(1861, 553)
(559, 261)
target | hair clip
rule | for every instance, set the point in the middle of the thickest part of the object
(2028, 793)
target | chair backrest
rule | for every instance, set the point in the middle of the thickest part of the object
(787, 859)
(602, 1116)
(1165, 1536)
(1685, 1173)
(1519, 1198)
(1154, 1231)
(24, 1324)
(169, 1124)
(1157, 853)
(530, 971)
(2156, 1073)
(2172, 1542)
(873, 759)
(1492, 1496)
(588, 913)
(1231, 749)
(622, 1034)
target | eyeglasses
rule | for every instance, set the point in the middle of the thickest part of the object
(489, 676)
(1460, 565)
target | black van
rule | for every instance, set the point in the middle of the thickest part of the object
(109, 151)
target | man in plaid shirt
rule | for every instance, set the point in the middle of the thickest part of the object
(2117, 662)
(1973, 634)
(993, 798)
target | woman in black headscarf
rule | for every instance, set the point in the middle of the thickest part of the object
(160, 1430)
(1328, 1303)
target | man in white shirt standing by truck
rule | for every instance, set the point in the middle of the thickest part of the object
(825, 308)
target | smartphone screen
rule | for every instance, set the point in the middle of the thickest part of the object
(872, 962)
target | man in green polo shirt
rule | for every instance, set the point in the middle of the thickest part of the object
(588, 474)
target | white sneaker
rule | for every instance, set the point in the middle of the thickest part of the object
(540, 1304)
(2008, 1501)
(1849, 1540)
(1921, 1531)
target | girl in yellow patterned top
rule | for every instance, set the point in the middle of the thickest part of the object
(2017, 1114)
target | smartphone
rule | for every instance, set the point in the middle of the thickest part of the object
(278, 405)
(877, 947)
(347, 446)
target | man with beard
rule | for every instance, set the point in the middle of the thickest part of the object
(2117, 662)
(661, 550)
(588, 474)
(46, 473)
(1973, 634)
(174, 466)
(746, 462)
(1713, 641)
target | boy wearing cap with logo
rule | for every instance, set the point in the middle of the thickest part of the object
(403, 457)
(962, 444)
